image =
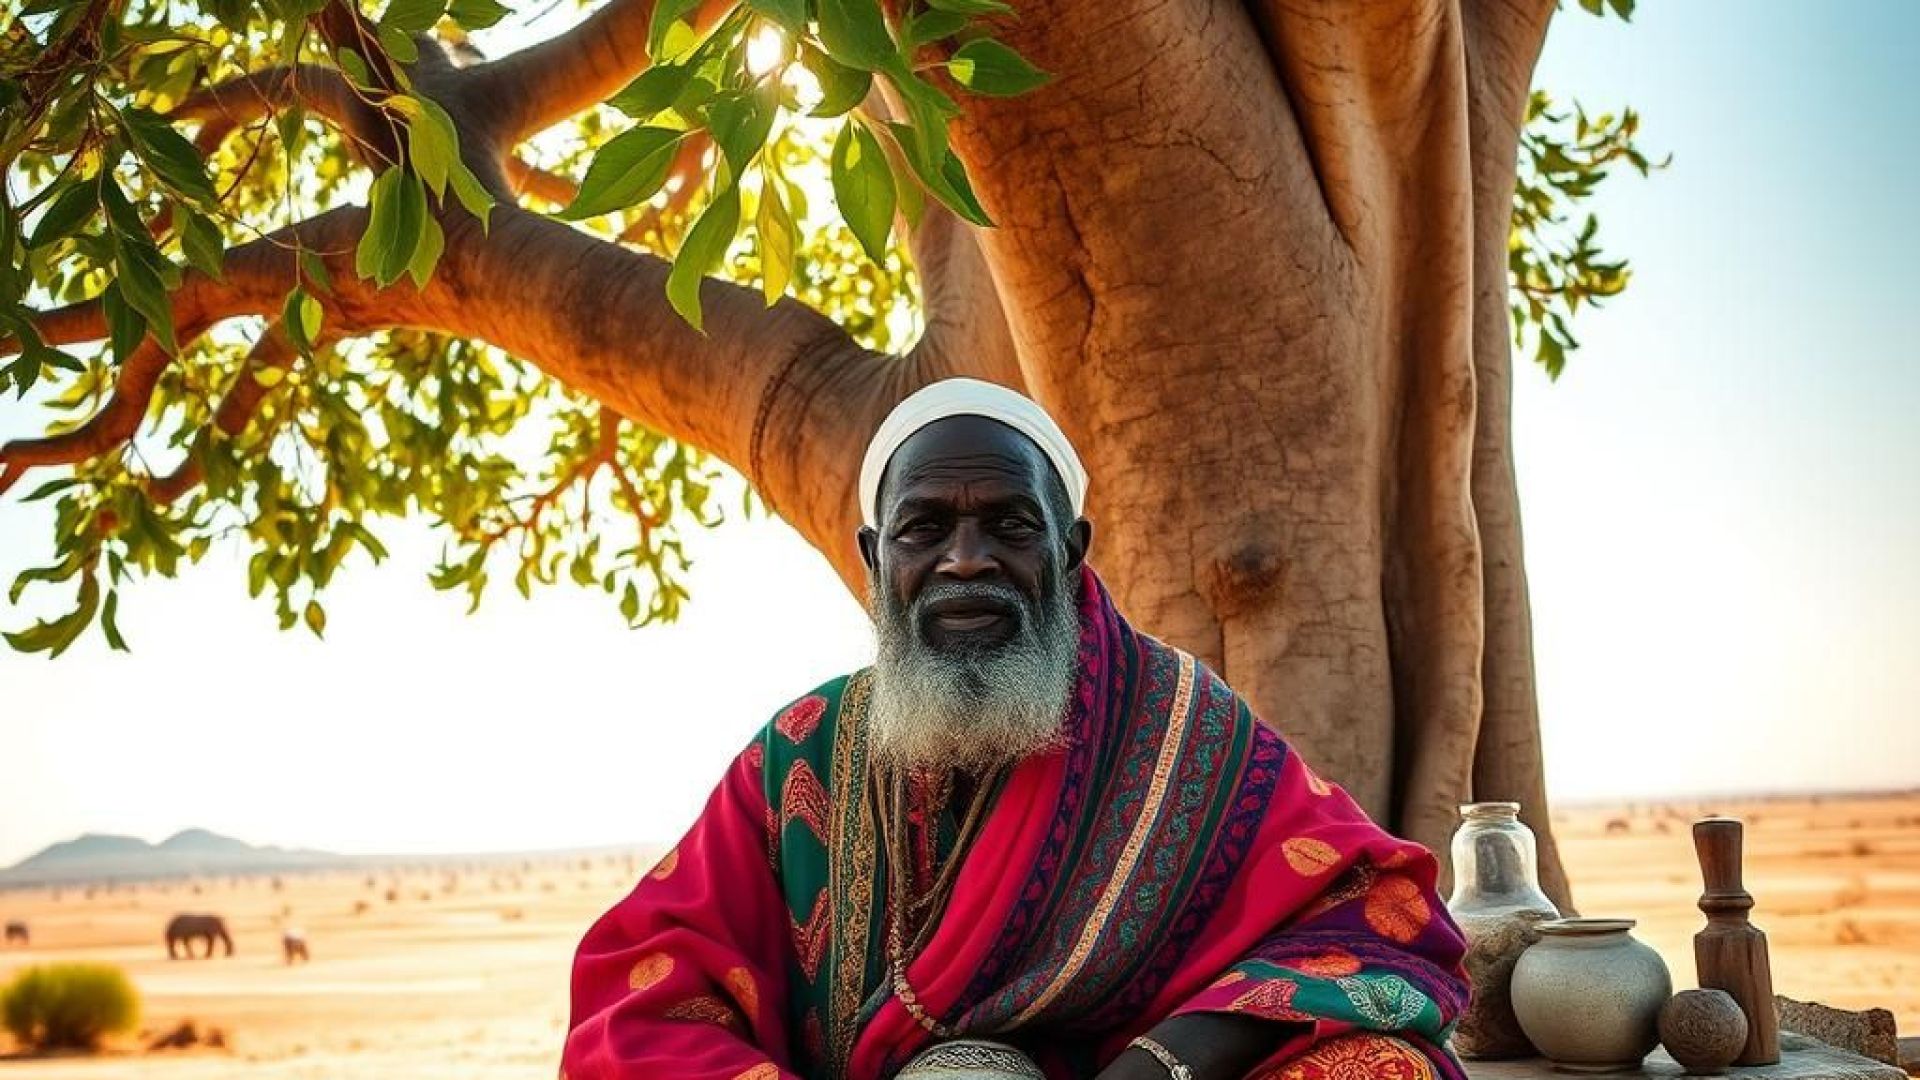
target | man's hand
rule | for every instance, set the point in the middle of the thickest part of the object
(1215, 1046)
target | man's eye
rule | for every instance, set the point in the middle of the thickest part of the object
(1019, 525)
(919, 529)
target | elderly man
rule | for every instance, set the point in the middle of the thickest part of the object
(1030, 840)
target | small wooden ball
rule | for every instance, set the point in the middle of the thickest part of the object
(1704, 1030)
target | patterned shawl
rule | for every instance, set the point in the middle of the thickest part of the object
(1175, 857)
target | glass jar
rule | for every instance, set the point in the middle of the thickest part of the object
(1495, 867)
(1498, 903)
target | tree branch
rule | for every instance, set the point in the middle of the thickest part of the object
(226, 105)
(525, 179)
(113, 425)
(781, 393)
(966, 328)
(235, 411)
(539, 86)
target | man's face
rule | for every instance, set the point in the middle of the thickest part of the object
(973, 599)
(971, 500)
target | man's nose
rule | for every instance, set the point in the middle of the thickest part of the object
(969, 554)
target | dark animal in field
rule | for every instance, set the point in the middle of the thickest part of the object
(293, 943)
(17, 931)
(185, 929)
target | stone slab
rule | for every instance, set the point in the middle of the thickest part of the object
(1869, 1033)
(1801, 1058)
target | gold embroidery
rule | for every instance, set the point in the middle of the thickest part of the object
(1170, 743)
(766, 1070)
(668, 863)
(704, 1009)
(740, 984)
(852, 842)
(1310, 857)
(649, 971)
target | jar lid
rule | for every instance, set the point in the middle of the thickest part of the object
(1585, 927)
(1489, 809)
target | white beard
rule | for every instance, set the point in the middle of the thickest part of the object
(971, 710)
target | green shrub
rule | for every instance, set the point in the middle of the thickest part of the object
(68, 1006)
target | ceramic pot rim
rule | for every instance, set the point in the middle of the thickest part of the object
(1585, 927)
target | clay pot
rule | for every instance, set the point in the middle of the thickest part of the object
(1589, 995)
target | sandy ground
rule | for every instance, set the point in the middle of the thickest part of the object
(462, 971)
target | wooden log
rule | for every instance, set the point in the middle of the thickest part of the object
(1731, 953)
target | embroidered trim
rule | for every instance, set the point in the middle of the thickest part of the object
(1170, 745)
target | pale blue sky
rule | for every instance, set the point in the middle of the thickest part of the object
(1721, 497)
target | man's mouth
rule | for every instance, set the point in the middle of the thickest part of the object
(970, 615)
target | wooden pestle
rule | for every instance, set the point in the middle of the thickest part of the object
(1731, 953)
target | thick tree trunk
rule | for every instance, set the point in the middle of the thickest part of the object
(1252, 255)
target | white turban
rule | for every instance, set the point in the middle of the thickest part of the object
(968, 397)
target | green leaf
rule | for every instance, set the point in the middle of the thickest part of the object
(706, 244)
(302, 317)
(477, 14)
(841, 87)
(855, 33)
(398, 45)
(427, 254)
(66, 214)
(972, 7)
(316, 618)
(125, 327)
(432, 144)
(412, 16)
(778, 238)
(200, 241)
(657, 88)
(945, 180)
(359, 532)
(665, 14)
(740, 124)
(169, 155)
(628, 169)
(932, 25)
(394, 228)
(863, 187)
(314, 270)
(54, 636)
(790, 14)
(109, 623)
(985, 66)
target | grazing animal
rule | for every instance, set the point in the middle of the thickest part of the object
(293, 943)
(185, 929)
(17, 931)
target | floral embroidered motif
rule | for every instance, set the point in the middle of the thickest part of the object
(1271, 999)
(766, 1070)
(1387, 1001)
(1328, 965)
(1396, 909)
(1310, 857)
(1357, 1057)
(801, 719)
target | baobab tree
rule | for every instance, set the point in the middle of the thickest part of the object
(1262, 258)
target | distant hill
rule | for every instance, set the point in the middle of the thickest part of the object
(99, 856)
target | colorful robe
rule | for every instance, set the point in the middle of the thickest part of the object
(1175, 857)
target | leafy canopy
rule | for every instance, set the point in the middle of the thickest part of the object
(142, 141)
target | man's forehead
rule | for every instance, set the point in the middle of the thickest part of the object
(970, 446)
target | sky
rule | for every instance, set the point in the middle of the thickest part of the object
(1721, 500)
